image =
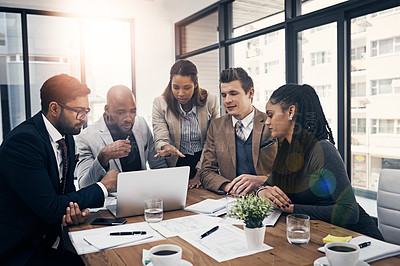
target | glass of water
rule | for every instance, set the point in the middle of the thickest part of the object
(298, 229)
(153, 210)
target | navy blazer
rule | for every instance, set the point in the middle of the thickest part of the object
(31, 204)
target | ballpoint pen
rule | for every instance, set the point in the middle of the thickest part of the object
(212, 230)
(365, 244)
(128, 233)
(127, 138)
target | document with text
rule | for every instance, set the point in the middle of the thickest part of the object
(226, 243)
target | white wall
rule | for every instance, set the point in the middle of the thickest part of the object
(154, 34)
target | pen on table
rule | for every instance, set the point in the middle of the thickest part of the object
(128, 233)
(365, 244)
(212, 230)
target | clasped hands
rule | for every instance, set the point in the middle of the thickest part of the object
(243, 184)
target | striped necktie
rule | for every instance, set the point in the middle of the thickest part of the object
(64, 150)
(240, 131)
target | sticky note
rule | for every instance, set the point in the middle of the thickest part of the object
(331, 238)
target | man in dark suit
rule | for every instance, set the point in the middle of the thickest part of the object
(37, 194)
(238, 153)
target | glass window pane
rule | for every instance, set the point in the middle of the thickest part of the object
(12, 94)
(208, 68)
(318, 67)
(54, 48)
(379, 74)
(254, 54)
(250, 15)
(108, 60)
(308, 6)
(201, 33)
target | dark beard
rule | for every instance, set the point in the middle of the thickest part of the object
(66, 129)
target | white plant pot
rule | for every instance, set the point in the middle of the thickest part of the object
(254, 237)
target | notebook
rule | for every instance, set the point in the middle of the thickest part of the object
(133, 188)
(376, 251)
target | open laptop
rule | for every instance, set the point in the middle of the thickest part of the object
(133, 188)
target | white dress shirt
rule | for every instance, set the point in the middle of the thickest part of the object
(247, 123)
(55, 136)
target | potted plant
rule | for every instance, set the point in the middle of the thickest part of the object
(252, 210)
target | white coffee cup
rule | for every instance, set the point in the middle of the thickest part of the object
(166, 255)
(342, 253)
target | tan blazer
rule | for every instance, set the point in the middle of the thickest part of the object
(167, 127)
(219, 162)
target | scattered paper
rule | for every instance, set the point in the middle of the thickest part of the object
(173, 227)
(82, 246)
(227, 243)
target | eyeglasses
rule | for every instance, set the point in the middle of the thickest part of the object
(80, 113)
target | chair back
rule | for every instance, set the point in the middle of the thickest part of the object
(388, 205)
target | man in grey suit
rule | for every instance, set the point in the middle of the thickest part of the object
(119, 140)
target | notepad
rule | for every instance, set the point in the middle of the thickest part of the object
(105, 241)
(376, 251)
(208, 206)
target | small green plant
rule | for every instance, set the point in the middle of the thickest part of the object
(251, 209)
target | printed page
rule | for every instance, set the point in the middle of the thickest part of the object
(83, 247)
(227, 243)
(173, 227)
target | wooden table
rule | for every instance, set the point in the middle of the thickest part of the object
(283, 253)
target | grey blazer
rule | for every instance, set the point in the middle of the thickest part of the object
(167, 127)
(95, 137)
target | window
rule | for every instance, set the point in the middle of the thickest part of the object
(385, 86)
(359, 125)
(358, 89)
(386, 46)
(271, 66)
(271, 37)
(374, 126)
(323, 91)
(398, 126)
(12, 92)
(358, 53)
(201, 33)
(259, 68)
(51, 39)
(108, 60)
(250, 15)
(308, 6)
(320, 58)
(382, 126)
(324, 77)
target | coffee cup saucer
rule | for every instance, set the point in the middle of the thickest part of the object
(324, 261)
(183, 263)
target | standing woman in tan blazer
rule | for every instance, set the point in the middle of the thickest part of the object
(181, 116)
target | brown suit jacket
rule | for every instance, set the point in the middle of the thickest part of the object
(219, 162)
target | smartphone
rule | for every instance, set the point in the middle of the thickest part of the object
(108, 221)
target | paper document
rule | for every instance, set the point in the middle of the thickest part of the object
(376, 251)
(208, 206)
(99, 238)
(104, 241)
(226, 243)
(173, 227)
(268, 221)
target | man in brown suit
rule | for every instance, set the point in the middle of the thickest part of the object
(238, 153)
